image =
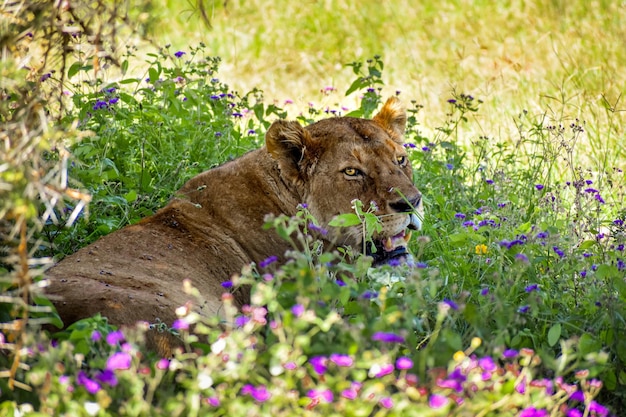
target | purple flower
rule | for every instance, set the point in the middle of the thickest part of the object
(421, 265)
(618, 222)
(115, 337)
(297, 310)
(213, 401)
(387, 337)
(241, 321)
(180, 324)
(268, 261)
(100, 105)
(523, 309)
(341, 360)
(319, 364)
(45, 76)
(532, 287)
(578, 396)
(368, 294)
(107, 377)
(591, 190)
(487, 364)
(90, 385)
(599, 198)
(315, 228)
(510, 353)
(113, 100)
(489, 182)
(96, 336)
(386, 402)
(438, 401)
(583, 273)
(459, 216)
(484, 291)
(451, 303)
(179, 54)
(425, 148)
(409, 145)
(349, 393)
(558, 251)
(522, 258)
(119, 360)
(404, 363)
(539, 186)
(450, 166)
(227, 284)
(542, 235)
(468, 223)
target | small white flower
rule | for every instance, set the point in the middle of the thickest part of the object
(92, 408)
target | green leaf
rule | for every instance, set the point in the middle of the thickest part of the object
(588, 344)
(74, 68)
(356, 85)
(131, 196)
(124, 66)
(554, 334)
(345, 220)
(587, 244)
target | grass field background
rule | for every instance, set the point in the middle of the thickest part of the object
(560, 60)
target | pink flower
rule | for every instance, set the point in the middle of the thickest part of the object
(119, 360)
(438, 401)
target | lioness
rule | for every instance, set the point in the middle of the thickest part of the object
(214, 225)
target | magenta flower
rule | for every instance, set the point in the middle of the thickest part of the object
(533, 412)
(385, 369)
(321, 395)
(386, 402)
(260, 394)
(119, 360)
(404, 363)
(213, 401)
(438, 401)
(96, 336)
(319, 364)
(341, 360)
(599, 409)
(180, 324)
(349, 393)
(90, 385)
(115, 337)
(163, 363)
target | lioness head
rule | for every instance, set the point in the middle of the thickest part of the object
(336, 161)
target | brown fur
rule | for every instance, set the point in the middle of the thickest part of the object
(214, 225)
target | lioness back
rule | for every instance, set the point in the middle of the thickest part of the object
(213, 226)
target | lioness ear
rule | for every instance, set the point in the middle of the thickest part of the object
(392, 117)
(287, 143)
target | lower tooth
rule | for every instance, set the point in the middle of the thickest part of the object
(407, 236)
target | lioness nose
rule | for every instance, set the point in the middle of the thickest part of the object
(405, 205)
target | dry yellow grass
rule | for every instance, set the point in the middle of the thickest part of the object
(560, 58)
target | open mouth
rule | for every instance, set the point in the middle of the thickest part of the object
(393, 249)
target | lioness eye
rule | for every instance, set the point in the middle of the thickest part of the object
(351, 172)
(401, 160)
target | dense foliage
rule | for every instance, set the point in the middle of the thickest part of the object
(514, 305)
